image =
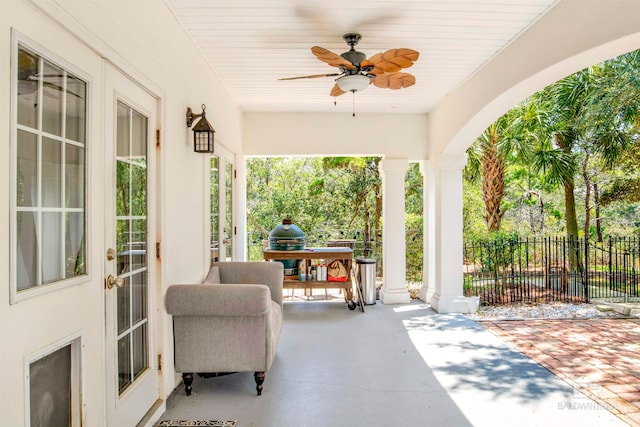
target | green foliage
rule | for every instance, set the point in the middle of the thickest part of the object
(414, 223)
(579, 136)
(331, 197)
(497, 251)
(623, 183)
(414, 191)
(473, 211)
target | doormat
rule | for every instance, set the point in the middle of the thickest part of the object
(210, 423)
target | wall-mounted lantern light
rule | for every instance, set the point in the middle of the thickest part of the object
(202, 131)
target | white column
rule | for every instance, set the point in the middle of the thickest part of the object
(445, 240)
(394, 290)
(429, 230)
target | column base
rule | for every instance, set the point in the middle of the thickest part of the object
(425, 294)
(394, 296)
(447, 304)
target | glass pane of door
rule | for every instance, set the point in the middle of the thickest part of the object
(228, 224)
(131, 245)
(50, 173)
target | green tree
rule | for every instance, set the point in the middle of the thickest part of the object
(488, 160)
(414, 222)
(581, 127)
(325, 196)
(566, 101)
(364, 193)
(580, 132)
(616, 107)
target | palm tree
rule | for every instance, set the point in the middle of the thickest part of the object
(591, 114)
(566, 100)
(616, 110)
(584, 121)
(489, 156)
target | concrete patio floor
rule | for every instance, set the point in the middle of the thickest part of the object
(394, 365)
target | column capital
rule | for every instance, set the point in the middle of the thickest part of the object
(394, 165)
(426, 166)
(452, 161)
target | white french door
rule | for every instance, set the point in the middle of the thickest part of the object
(132, 377)
(221, 193)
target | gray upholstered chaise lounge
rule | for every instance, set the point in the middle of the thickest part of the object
(227, 324)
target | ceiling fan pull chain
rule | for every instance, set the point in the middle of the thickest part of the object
(353, 92)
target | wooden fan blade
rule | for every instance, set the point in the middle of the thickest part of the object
(394, 81)
(331, 58)
(376, 71)
(336, 91)
(393, 60)
(381, 81)
(313, 76)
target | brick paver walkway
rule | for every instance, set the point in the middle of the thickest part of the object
(599, 357)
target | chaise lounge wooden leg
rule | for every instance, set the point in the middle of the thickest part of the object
(259, 377)
(187, 378)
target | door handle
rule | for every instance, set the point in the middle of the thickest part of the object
(110, 282)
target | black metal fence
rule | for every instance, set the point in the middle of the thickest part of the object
(549, 269)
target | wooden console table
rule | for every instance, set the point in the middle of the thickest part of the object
(308, 254)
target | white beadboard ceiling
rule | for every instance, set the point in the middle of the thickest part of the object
(252, 43)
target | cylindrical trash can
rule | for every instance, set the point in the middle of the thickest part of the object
(366, 279)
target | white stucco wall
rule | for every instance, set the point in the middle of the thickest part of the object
(298, 134)
(573, 35)
(155, 52)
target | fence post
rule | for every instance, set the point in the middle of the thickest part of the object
(585, 281)
(625, 256)
(513, 275)
(610, 267)
(634, 262)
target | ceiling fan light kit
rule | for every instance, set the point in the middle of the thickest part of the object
(357, 72)
(353, 83)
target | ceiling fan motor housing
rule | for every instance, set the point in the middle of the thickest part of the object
(354, 57)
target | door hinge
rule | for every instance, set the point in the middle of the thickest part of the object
(157, 250)
(157, 138)
(235, 173)
(235, 230)
(160, 362)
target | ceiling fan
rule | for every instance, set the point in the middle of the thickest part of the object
(357, 72)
